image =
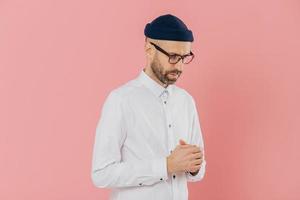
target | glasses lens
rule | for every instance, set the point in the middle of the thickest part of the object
(174, 59)
(188, 59)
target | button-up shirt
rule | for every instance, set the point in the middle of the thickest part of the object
(141, 123)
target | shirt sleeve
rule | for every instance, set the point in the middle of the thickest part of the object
(108, 169)
(196, 139)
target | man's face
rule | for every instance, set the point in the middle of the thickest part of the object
(164, 71)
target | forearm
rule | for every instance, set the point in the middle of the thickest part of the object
(127, 174)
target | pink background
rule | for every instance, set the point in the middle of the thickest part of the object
(59, 60)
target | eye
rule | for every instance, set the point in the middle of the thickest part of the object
(174, 57)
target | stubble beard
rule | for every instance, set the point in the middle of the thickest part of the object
(161, 76)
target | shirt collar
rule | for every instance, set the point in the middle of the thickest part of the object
(155, 87)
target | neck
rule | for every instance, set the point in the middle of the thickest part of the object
(151, 74)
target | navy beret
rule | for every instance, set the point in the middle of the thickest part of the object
(168, 27)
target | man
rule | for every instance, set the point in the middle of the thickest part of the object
(148, 142)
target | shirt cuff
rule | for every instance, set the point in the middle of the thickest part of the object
(160, 169)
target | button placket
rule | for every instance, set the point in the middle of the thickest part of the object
(164, 97)
(169, 127)
(168, 123)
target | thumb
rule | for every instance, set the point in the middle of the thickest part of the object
(182, 142)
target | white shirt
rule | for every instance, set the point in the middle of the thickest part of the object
(141, 123)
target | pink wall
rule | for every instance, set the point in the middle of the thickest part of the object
(59, 59)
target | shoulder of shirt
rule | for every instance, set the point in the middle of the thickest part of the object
(125, 90)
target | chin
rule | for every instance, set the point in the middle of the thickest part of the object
(172, 82)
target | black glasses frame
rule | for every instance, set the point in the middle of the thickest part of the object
(170, 55)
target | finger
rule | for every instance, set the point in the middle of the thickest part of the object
(197, 155)
(182, 142)
(197, 162)
(186, 146)
(194, 168)
(194, 149)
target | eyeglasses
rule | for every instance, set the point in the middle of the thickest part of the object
(175, 58)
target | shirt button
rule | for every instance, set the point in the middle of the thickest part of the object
(165, 102)
(161, 179)
(174, 176)
(169, 125)
(140, 184)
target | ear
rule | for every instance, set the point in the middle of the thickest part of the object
(149, 50)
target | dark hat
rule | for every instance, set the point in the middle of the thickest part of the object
(168, 27)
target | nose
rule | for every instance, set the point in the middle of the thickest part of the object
(179, 66)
